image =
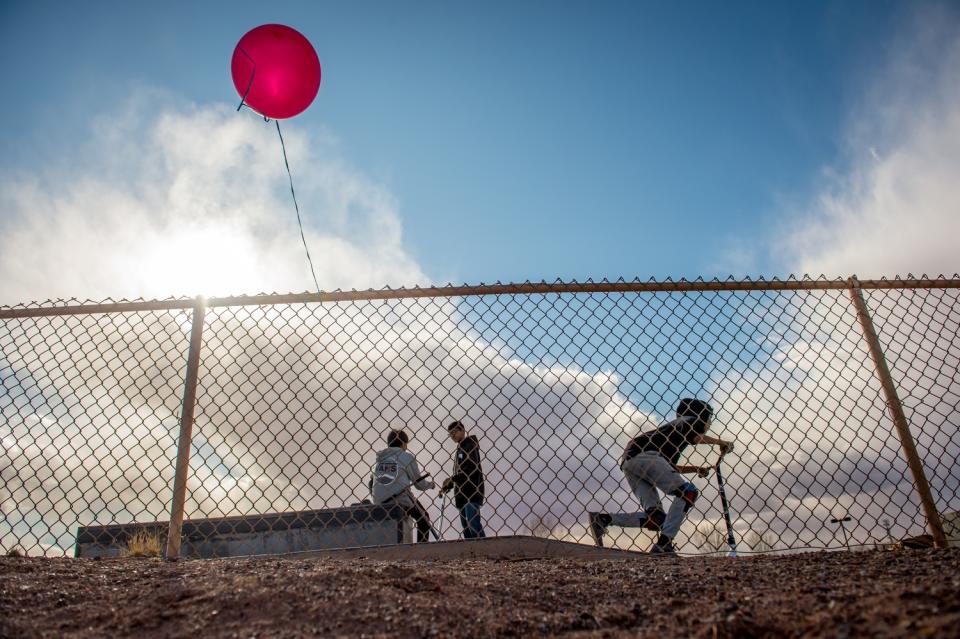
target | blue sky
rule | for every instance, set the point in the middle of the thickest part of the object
(629, 139)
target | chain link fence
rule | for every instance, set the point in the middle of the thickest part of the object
(280, 408)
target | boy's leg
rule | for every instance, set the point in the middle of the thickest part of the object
(643, 487)
(422, 521)
(652, 516)
(476, 524)
(665, 477)
(465, 523)
(470, 519)
(685, 495)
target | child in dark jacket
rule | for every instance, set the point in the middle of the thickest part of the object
(466, 481)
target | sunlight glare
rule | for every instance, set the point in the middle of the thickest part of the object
(211, 260)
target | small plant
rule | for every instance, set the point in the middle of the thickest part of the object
(15, 552)
(541, 524)
(142, 543)
(760, 541)
(707, 538)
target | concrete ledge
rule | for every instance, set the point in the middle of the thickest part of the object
(266, 534)
(513, 547)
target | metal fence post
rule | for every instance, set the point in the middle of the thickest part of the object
(899, 418)
(186, 430)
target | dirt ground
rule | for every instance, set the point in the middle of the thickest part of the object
(836, 594)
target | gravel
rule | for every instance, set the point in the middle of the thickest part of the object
(913, 593)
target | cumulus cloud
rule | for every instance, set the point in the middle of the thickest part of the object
(819, 438)
(172, 199)
(820, 442)
(292, 405)
(168, 198)
(896, 208)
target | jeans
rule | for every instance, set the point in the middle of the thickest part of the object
(470, 520)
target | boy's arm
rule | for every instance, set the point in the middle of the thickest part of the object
(413, 471)
(455, 478)
(702, 471)
(715, 441)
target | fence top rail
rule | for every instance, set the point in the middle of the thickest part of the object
(526, 288)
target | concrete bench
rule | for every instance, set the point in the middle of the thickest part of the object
(273, 533)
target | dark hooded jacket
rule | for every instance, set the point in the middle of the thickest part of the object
(467, 473)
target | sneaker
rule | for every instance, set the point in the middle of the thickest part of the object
(598, 527)
(665, 549)
(664, 546)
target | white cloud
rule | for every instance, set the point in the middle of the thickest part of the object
(820, 441)
(896, 209)
(292, 405)
(173, 199)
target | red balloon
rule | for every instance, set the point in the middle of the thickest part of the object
(276, 71)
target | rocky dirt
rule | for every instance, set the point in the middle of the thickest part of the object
(837, 594)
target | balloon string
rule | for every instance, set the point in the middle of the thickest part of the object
(296, 206)
(252, 75)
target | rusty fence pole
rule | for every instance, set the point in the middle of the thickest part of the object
(186, 431)
(899, 418)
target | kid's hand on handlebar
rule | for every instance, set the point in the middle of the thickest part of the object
(447, 485)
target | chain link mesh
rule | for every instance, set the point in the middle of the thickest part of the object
(90, 412)
(294, 400)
